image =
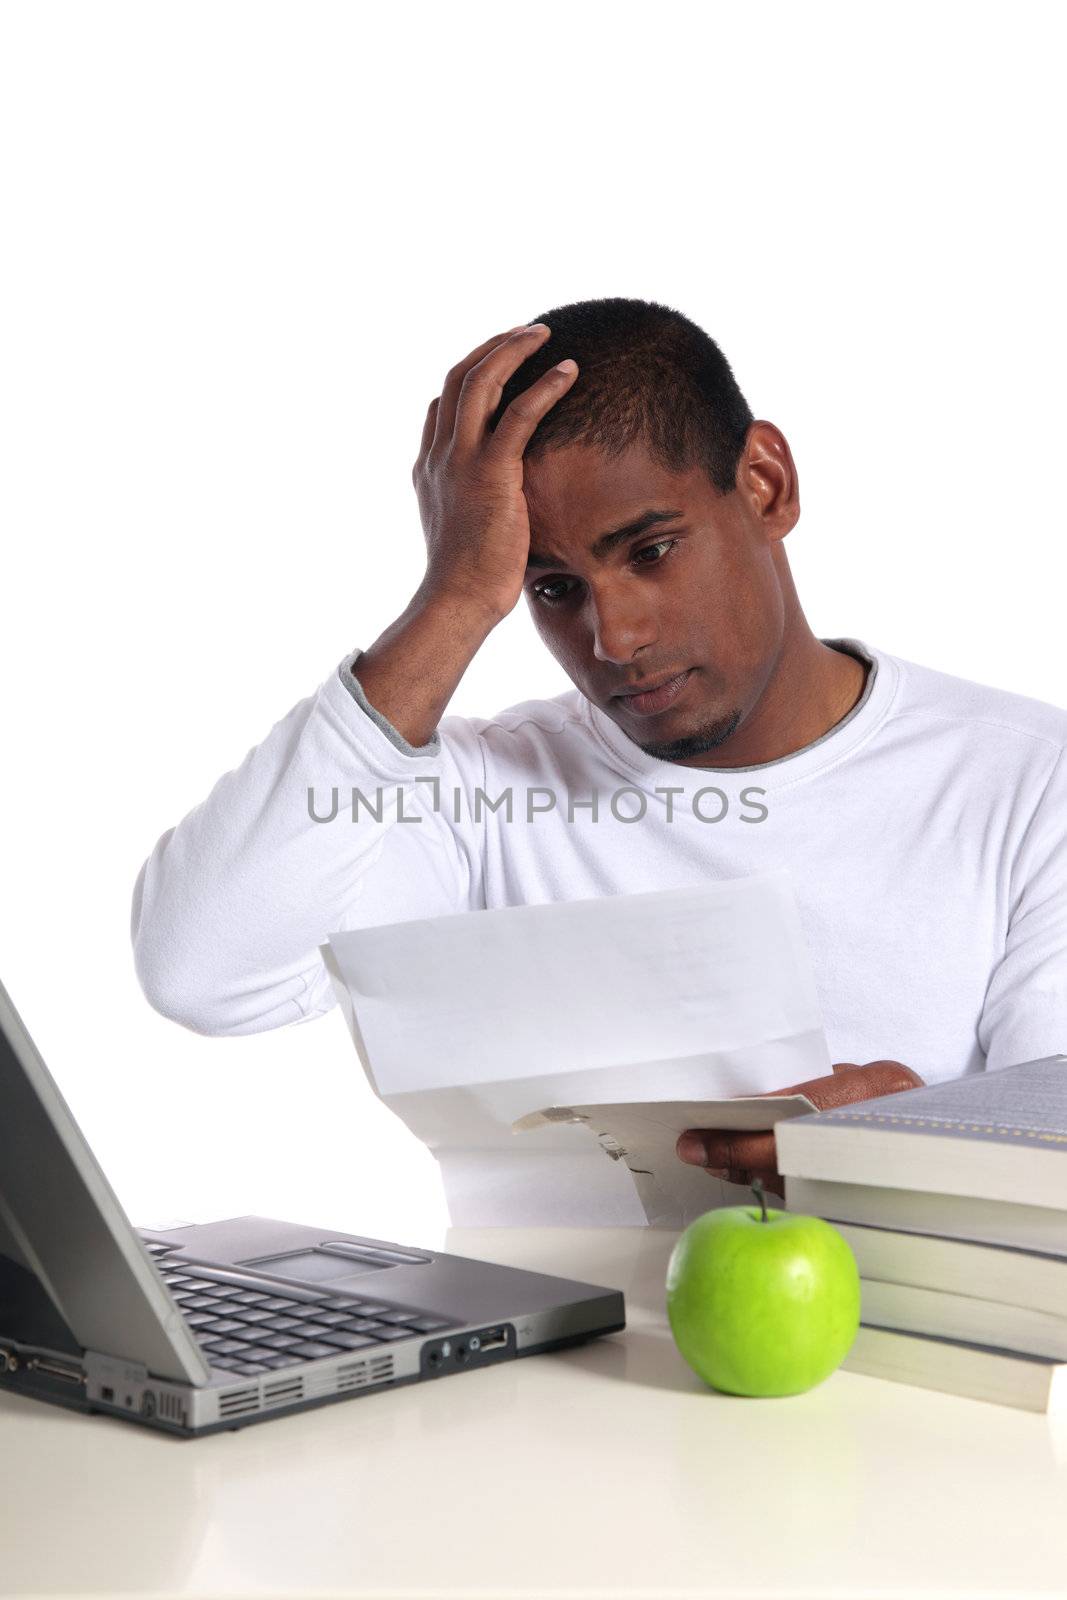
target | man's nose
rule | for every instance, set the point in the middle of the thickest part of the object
(622, 625)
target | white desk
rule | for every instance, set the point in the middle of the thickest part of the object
(603, 1470)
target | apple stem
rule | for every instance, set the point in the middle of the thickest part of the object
(757, 1190)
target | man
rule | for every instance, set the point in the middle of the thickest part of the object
(604, 464)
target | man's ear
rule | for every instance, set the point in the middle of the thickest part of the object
(767, 473)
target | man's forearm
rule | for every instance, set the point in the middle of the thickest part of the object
(413, 669)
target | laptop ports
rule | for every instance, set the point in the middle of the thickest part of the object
(55, 1369)
(496, 1339)
(453, 1353)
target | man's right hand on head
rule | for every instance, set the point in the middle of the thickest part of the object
(469, 481)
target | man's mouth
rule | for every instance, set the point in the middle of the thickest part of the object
(655, 698)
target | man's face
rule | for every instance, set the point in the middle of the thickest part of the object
(699, 592)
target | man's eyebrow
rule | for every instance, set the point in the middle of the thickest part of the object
(607, 541)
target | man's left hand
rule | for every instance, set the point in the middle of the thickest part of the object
(744, 1157)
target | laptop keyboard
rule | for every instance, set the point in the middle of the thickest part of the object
(248, 1329)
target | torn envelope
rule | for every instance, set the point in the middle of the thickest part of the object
(464, 1023)
(643, 1138)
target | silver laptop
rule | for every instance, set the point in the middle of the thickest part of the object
(198, 1328)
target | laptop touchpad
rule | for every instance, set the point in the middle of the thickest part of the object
(336, 1259)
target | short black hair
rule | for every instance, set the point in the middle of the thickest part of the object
(645, 372)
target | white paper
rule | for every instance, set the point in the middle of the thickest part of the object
(643, 1138)
(465, 1023)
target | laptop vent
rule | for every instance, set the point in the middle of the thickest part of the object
(236, 1402)
(359, 1374)
(171, 1406)
(284, 1393)
(289, 1391)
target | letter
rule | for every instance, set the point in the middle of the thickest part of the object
(670, 803)
(531, 809)
(311, 805)
(435, 780)
(480, 795)
(756, 803)
(591, 803)
(357, 796)
(400, 817)
(725, 805)
(629, 789)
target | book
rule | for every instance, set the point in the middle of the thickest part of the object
(980, 1372)
(952, 1216)
(911, 1309)
(999, 1135)
(983, 1272)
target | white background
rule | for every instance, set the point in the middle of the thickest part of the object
(242, 243)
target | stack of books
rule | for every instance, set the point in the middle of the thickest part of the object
(953, 1198)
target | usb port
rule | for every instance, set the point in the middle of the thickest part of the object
(494, 1340)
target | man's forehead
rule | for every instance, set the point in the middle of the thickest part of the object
(582, 498)
(582, 471)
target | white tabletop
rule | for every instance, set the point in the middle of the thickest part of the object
(608, 1469)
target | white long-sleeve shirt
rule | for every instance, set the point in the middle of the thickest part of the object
(926, 834)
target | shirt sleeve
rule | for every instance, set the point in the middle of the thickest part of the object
(1024, 1017)
(346, 673)
(332, 822)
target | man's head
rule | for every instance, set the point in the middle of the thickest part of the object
(655, 422)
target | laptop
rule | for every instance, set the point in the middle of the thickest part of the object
(193, 1329)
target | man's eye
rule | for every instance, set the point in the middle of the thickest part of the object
(543, 594)
(665, 545)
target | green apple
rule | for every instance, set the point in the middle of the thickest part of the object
(762, 1302)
